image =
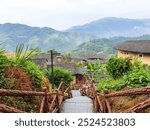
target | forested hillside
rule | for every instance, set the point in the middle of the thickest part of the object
(103, 45)
(45, 38)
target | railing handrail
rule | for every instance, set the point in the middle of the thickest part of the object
(135, 91)
(8, 92)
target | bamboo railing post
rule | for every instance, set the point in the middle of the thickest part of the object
(57, 99)
(108, 105)
(46, 101)
(52, 103)
(96, 104)
(69, 92)
(62, 87)
(95, 97)
(42, 105)
(103, 103)
(107, 102)
(100, 103)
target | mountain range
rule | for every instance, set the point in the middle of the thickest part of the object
(112, 27)
(47, 38)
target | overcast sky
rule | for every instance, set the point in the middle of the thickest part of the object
(62, 14)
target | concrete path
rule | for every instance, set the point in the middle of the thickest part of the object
(77, 104)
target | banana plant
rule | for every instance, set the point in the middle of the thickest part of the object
(93, 69)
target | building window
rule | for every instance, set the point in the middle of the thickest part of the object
(59, 59)
(140, 55)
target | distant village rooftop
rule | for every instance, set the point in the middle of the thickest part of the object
(138, 46)
(72, 68)
(96, 56)
(44, 56)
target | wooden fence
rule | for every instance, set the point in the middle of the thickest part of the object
(101, 100)
(50, 102)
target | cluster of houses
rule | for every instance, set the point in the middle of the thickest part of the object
(44, 61)
(135, 49)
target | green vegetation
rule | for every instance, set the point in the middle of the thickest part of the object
(59, 74)
(20, 73)
(22, 60)
(4, 63)
(111, 84)
(32, 69)
(117, 67)
(94, 69)
(139, 76)
(121, 73)
(22, 103)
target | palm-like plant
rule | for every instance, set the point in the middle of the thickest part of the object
(93, 69)
(23, 52)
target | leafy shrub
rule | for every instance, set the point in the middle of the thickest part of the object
(117, 67)
(28, 104)
(94, 66)
(80, 64)
(59, 74)
(34, 70)
(111, 84)
(138, 78)
(94, 70)
(4, 62)
(104, 85)
(21, 59)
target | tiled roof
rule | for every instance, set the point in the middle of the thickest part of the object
(140, 46)
(72, 67)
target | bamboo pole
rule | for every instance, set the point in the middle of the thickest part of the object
(108, 105)
(42, 105)
(136, 91)
(8, 92)
(5, 108)
(100, 104)
(103, 103)
(139, 106)
(46, 102)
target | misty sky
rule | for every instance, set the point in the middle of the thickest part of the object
(62, 14)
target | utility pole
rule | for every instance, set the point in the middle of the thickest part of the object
(52, 69)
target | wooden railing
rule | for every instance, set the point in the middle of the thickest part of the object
(50, 102)
(130, 92)
(59, 97)
(101, 101)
